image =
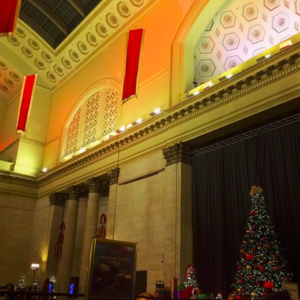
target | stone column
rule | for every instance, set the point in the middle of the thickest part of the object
(90, 230)
(112, 202)
(66, 261)
(178, 203)
(57, 203)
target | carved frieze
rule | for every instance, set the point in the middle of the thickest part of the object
(177, 153)
(114, 176)
(58, 199)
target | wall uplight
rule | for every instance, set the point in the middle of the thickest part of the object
(35, 267)
(285, 45)
(82, 150)
(207, 85)
(196, 93)
(129, 125)
(229, 76)
(45, 170)
(268, 56)
(139, 120)
(156, 112)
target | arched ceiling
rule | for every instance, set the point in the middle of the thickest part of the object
(54, 20)
(240, 30)
(28, 51)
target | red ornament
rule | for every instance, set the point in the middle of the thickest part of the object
(264, 238)
(243, 290)
(242, 251)
(253, 213)
(261, 268)
(240, 281)
(239, 268)
(249, 256)
(256, 266)
(275, 269)
(257, 283)
(267, 246)
(269, 285)
(245, 242)
(238, 297)
(265, 293)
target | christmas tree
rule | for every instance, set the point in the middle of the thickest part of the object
(22, 283)
(190, 277)
(261, 267)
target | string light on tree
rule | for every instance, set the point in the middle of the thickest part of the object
(261, 267)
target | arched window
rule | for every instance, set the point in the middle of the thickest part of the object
(92, 121)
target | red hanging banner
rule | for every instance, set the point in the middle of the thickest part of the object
(25, 103)
(133, 61)
(9, 13)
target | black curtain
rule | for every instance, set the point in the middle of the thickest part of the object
(222, 179)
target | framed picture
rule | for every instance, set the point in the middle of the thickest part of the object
(292, 288)
(111, 273)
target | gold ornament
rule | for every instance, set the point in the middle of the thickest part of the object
(262, 255)
(253, 294)
(248, 267)
(270, 263)
(238, 290)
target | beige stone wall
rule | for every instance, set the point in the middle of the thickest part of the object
(16, 229)
(79, 236)
(140, 216)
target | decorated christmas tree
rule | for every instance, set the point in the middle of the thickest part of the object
(190, 277)
(261, 267)
(21, 283)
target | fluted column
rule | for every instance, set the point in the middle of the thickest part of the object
(90, 230)
(66, 261)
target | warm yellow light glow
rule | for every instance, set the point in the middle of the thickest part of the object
(123, 128)
(196, 93)
(267, 56)
(229, 76)
(139, 120)
(82, 150)
(157, 110)
(45, 170)
(207, 85)
(285, 44)
(35, 266)
(129, 125)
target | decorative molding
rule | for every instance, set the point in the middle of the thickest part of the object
(94, 32)
(58, 199)
(246, 82)
(114, 176)
(141, 177)
(21, 179)
(73, 193)
(94, 185)
(177, 153)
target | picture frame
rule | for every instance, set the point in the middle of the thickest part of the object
(112, 270)
(292, 288)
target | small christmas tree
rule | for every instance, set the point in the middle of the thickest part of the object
(261, 267)
(190, 277)
(36, 285)
(22, 283)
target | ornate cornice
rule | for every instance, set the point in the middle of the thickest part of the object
(18, 179)
(177, 153)
(73, 193)
(93, 185)
(58, 199)
(246, 82)
(114, 176)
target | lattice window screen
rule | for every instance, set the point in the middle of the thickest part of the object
(110, 111)
(90, 122)
(96, 118)
(72, 135)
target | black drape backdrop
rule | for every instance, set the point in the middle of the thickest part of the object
(222, 179)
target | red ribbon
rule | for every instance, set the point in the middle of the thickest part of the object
(269, 285)
(103, 219)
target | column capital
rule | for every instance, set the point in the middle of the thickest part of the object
(73, 193)
(114, 176)
(177, 153)
(94, 185)
(58, 199)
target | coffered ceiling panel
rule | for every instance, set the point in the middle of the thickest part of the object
(54, 66)
(242, 29)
